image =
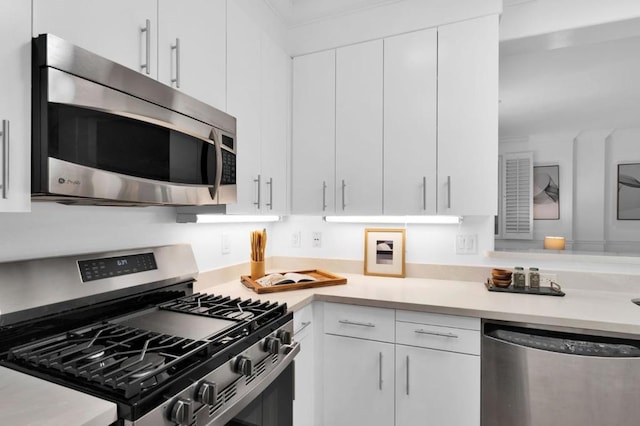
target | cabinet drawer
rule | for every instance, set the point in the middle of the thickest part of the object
(364, 322)
(456, 321)
(438, 337)
(302, 319)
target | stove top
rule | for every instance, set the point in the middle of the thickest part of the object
(138, 348)
(140, 351)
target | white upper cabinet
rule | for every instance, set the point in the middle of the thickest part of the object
(410, 103)
(313, 150)
(258, 95)
(275, 127)
(113, 29)
(15, 113)
(468, 117)
(359, 82)
(192, 48)
(180, 42)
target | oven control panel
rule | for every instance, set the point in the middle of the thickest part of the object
(109, 267)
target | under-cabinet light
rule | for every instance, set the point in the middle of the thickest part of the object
(231, 218)
(442, 220)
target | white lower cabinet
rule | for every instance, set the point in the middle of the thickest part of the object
(358, 382)
(426, 371)
(436, 388)
(304, 399)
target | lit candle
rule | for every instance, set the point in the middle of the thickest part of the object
(554, 243)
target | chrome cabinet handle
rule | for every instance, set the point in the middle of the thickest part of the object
(5, 159)
(435, 333)
(147, 32)
(424, 193)
(448, 192)
(304, 325)
(380, 373)
(270, 203)
(362, 324)
(176, 47)
(324, 195)
(407, 374)
(344, 185)
(257, 203)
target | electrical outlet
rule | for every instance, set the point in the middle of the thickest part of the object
(316, 239)
(226, 244)
(296, 239)
(466, 243)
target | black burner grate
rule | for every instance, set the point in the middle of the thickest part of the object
(113, 356)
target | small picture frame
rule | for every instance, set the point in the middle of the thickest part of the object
(384, 252)
(546, 192)
(628, 191)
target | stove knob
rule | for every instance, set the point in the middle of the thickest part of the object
(207, 393)
(272, 345)
(284, 336)
(243, 365)
(181, 412)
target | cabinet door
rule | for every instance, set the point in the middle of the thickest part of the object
(111, 28)
(15, 113)
(410, 102)
(436, 387)
(243, 102)
(200, 27)
(304, 402)
(468, 117)
(313, 150)
(275, 125)
(359, 129)
(358, 382)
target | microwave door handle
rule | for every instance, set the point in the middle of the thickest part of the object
(216, 141)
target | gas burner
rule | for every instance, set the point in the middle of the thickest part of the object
(94, 352)
(237, 314)
(143, 366)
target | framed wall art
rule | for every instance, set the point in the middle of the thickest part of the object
(629, 191)
(384, 252)
(546, 192)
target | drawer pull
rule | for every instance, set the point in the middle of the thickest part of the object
(304, 325)
(362, 324)
(435, 333)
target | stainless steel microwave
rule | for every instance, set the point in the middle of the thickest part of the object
(105, 134)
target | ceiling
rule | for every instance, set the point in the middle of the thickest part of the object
(300, 12)
(574, 80)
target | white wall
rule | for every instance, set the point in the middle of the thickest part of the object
(428, 244)
(54, 230)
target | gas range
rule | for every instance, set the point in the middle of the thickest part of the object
(137, 335)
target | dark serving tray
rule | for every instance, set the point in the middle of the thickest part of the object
(542, 291)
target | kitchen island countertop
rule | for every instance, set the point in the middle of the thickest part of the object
(601, 310)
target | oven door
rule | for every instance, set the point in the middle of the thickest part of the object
(273, 407)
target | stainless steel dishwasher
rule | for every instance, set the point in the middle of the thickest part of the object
(546, 376)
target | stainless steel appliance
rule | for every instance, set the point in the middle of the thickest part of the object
(541, 376)
(105, 134)
(125, 327)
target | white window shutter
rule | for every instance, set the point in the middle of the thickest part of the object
(517, 197)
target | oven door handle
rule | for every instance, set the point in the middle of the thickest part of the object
(234, 409)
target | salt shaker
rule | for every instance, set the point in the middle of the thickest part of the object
(534, 279)
(519, 279)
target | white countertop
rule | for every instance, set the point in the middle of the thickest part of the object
(50, 404)
(27, 400)
(587, 309)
